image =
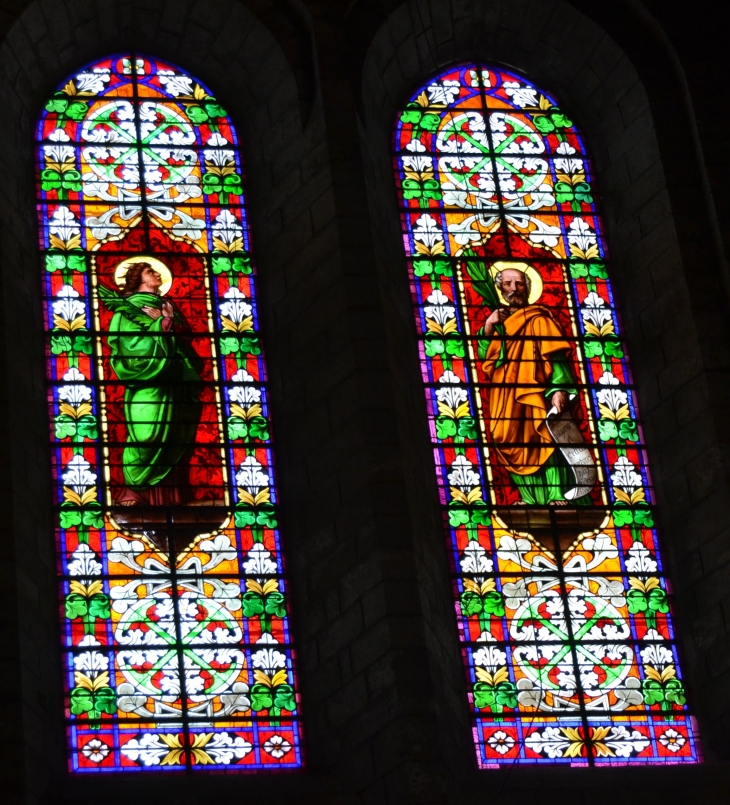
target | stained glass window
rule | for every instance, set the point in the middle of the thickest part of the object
(562, 600)
(177, 648)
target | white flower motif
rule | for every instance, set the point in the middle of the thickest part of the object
(625, 476)
(522, 96)
(67, 305)
(223, 748)
(58, 153)
(443, 92)
(427, 231)
(452, 396)
(277, 746)
(59, 136)
(91, 663)
(612, 398)
(78, 475)
(77, 393)
(258, 562)
(94, 81)
(672, 740)
(490, 657)
(84, 563)
(657, 656)
(149, 749)
(640, 559)
(95, 750)
(608, 379)
(550, 742)
(175, 84)
(63, 224)
(250, 476)
(570, 166)
(462, 474)
(515, 592)
(474, 78)
(227, 228)
(594, 310)
(475, 559)
(581, 235)
(236, 308)
(449, 377)
(500, 742)
(268, 660)
(565, 148)
(439, 311)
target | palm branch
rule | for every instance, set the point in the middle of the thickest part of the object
(483, 283)
(118, 304)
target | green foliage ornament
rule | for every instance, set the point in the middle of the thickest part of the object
(575, 194)
(451, 346)
(78, 343)
(89, 606)
(551, 121)
(263, 516)
(232, 264)
(63, 182)
(255, 429)
(416, 115)
(72, 515)
(640, 516)
(64, 107)
(579, 269)
(208, 110)
(77, 429)
(663, 692)
(224, 186)
(426, 189)
(495, 698)
(648, 602)
(482, 604)
(623, 430)
(93, 701)
(239, 345)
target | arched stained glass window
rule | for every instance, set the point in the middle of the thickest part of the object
(561, 594)
(177, 647)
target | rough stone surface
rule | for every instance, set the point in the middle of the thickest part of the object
(314, 87)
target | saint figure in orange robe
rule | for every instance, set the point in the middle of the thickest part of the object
(528, 369)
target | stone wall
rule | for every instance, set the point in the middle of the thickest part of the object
(314, 88)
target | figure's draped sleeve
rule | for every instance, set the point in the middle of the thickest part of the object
(139, 354)
(535, 347)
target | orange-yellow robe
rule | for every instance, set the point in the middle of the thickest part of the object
(519, 380)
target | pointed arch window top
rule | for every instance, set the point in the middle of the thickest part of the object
(178, 654)
(562, 600)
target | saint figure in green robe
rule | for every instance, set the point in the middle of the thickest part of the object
(152, 355)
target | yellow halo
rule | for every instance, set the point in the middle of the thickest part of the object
(532, 274)
(120, 272)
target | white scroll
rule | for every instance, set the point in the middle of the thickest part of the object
(569, 439)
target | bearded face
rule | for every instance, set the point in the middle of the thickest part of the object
(514, 288)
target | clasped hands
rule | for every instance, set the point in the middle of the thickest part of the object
(154, 313)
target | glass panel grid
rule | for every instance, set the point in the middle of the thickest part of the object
(562, 604)
(178, 652)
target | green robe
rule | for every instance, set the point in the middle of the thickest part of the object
(161, 404)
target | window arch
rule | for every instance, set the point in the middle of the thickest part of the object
(537, 444)
(177, 648)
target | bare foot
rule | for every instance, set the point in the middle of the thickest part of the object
(128, 503)
(560, 502)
